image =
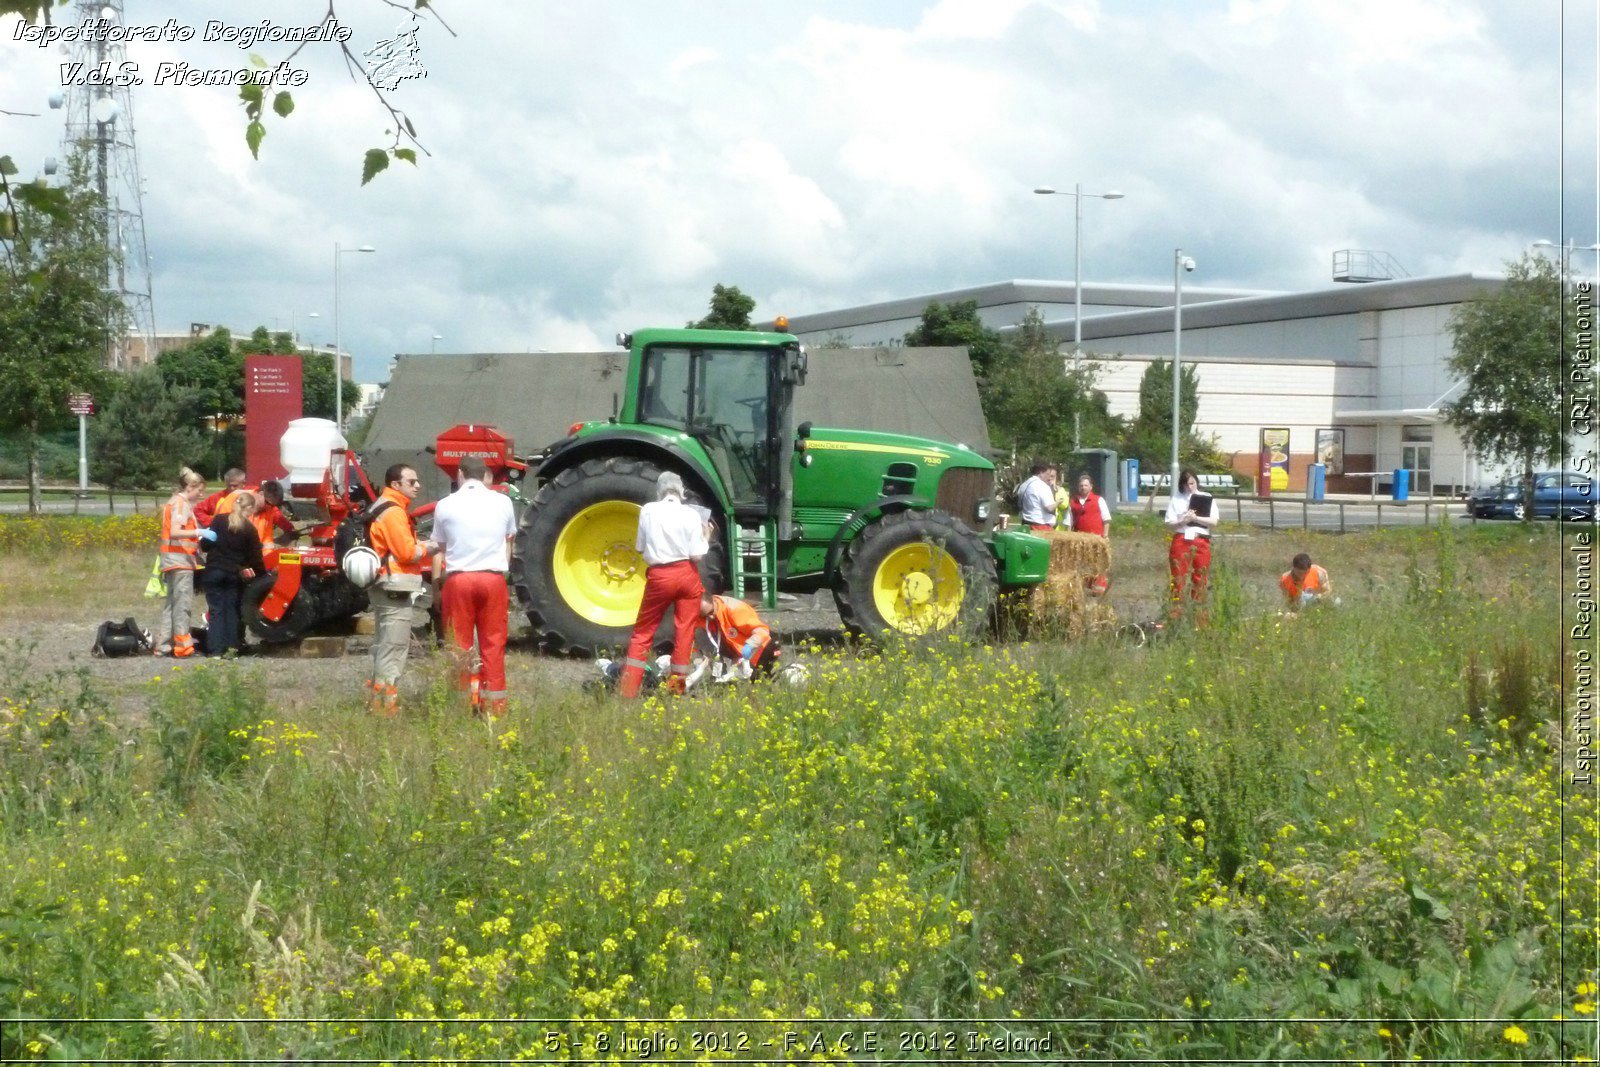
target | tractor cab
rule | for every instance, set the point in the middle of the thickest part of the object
(733, 393)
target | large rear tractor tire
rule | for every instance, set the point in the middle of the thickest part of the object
(575, 570)
(914, 573)
(301, 616)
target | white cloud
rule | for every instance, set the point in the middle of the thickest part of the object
(597, 168)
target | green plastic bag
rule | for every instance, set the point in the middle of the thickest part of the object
(155, 587)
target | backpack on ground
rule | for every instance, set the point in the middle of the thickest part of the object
(123, 638)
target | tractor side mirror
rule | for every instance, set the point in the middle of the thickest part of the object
(795, 362)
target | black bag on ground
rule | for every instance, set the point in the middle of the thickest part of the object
(121, 639)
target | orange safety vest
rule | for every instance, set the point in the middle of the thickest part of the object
(225, 505)
(267, 520)
(177, 553)
(394, 536)
(1316, 582)
(733, 623)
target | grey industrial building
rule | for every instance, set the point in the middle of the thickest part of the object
(1368, 359)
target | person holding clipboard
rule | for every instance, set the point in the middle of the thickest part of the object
(1191, 516)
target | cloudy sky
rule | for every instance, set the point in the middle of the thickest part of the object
(598, 167)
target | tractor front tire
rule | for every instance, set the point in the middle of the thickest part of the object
(914, 573)
(300, 617)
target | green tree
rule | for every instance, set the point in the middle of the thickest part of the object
(1033, 393)
(1149, 436)
(730, 310)
(144, 435)
(316, 386)
(955, 325)
(1508, 349)
(56, 316)
(210, 370)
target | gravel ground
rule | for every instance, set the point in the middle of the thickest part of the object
(61, 645)
(55, 627)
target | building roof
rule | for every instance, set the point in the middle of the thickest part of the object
(999, 294)
(1276, 307)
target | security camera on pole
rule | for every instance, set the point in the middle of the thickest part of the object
(1181, 265)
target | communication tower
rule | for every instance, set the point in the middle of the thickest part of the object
(99, 124)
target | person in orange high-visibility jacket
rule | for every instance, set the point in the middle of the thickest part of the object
(401, 599)
(739, 636)
(269, 520)
(1304, 583)
(206, 510)
(180, 538)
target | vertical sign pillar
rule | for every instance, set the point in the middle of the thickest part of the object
(272, 399)
(82, 405)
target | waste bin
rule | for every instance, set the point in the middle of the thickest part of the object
(1101, 466)
(1402, 483)
(1316, 482)
(1130, 480)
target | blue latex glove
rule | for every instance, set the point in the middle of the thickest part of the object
(750, 648)
(208, 535)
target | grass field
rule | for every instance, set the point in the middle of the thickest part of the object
(1343, 836)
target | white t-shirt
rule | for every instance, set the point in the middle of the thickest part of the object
(471, 526)
(1037, 501)
(1175, 511)
(669, 531)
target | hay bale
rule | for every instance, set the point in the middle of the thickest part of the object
(1060, 605)
(1087, 554)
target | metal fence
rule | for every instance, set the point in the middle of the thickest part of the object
(54, 500)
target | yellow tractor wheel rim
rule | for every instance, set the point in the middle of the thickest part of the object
(918, 589)
(598, 572)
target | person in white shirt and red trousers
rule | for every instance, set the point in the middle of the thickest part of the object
(473, 527)
(672, 540)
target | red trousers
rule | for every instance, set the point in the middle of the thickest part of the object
(475, 602)
(670, 585)
(1191, 564)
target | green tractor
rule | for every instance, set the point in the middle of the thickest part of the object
(901, 529)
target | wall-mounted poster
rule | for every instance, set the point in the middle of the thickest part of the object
(1275, 457)
(1330, 450)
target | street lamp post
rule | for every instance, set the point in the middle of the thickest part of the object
(338, 369)
(1181, 265)
(1566, 255)
(1077, 195)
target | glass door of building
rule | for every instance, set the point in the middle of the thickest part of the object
(1418, 459)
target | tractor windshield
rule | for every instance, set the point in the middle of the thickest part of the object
(722, 397)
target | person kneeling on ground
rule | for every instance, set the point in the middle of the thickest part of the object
(1305, 583)
(744, 644)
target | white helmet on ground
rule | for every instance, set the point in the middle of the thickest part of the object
(361, 566)
(795, 674)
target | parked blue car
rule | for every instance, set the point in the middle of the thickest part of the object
(1556, 494)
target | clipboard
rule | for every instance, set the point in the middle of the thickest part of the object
(1200, 504)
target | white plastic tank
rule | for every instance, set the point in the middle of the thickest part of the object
(307, 448)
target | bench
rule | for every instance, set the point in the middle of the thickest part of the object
(1213, 484)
